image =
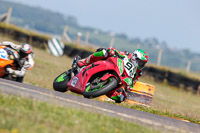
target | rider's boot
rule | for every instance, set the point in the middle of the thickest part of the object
(118, 96)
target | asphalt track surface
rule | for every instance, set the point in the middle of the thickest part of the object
(162, 123)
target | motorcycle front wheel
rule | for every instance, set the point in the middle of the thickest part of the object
(94, 89)
(60, 82)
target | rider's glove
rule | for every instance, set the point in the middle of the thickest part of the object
(111, 52)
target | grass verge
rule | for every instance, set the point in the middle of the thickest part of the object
(20, 115)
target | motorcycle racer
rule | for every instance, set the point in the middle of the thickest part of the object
(24, 58)
(139, 58)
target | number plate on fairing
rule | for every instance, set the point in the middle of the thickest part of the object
(73, 83)
(129, 67)
(3, 54)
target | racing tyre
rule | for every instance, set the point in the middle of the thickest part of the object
(60, 83)
(93, 89)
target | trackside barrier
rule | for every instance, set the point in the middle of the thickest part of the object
(173, 79)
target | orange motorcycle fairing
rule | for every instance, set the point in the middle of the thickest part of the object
(5, 62)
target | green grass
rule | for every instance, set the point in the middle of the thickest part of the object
(20, 115)
(47, 67)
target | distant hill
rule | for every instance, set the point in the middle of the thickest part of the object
(54, 22)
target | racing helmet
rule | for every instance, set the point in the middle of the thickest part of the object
(25, 50)
(141, 57)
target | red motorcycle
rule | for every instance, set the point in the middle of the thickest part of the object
(99, 78)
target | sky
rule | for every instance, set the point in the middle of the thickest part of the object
(176, 22)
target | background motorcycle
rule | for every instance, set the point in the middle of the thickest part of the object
(7, 60)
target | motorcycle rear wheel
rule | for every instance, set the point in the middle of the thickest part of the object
(60, 82)
(107, 86)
